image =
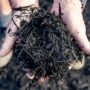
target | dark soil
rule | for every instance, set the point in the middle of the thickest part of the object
(45, 43)
(13, 75)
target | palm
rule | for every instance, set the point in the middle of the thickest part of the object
(72, 15)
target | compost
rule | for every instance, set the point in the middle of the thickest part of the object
(44, 44)
(13, 78)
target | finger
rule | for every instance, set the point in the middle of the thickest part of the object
(5, 60)
(9, 37)
(22, 3)
(30, 75)
(76, 26)
(77, 65)
(12, 28)
(55, 8)
(43, 80)
(72, 16)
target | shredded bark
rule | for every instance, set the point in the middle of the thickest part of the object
(44, 45)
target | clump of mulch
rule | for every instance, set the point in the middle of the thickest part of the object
(44, 44)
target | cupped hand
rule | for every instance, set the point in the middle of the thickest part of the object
(9, 39)
(72, 16)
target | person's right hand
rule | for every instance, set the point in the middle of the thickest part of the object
(9, 39)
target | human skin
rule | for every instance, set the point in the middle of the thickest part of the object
(72, 16)
(5, 7)
(9, 38)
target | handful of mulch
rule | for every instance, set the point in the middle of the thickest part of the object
(44, 45)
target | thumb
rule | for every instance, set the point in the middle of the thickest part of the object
(76, 26)
(9, 38)
(72, 15)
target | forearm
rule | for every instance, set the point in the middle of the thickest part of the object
(22, 3)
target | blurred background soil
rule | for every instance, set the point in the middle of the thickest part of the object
(12, 77)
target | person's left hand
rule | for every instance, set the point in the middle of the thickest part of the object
(72, 16)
